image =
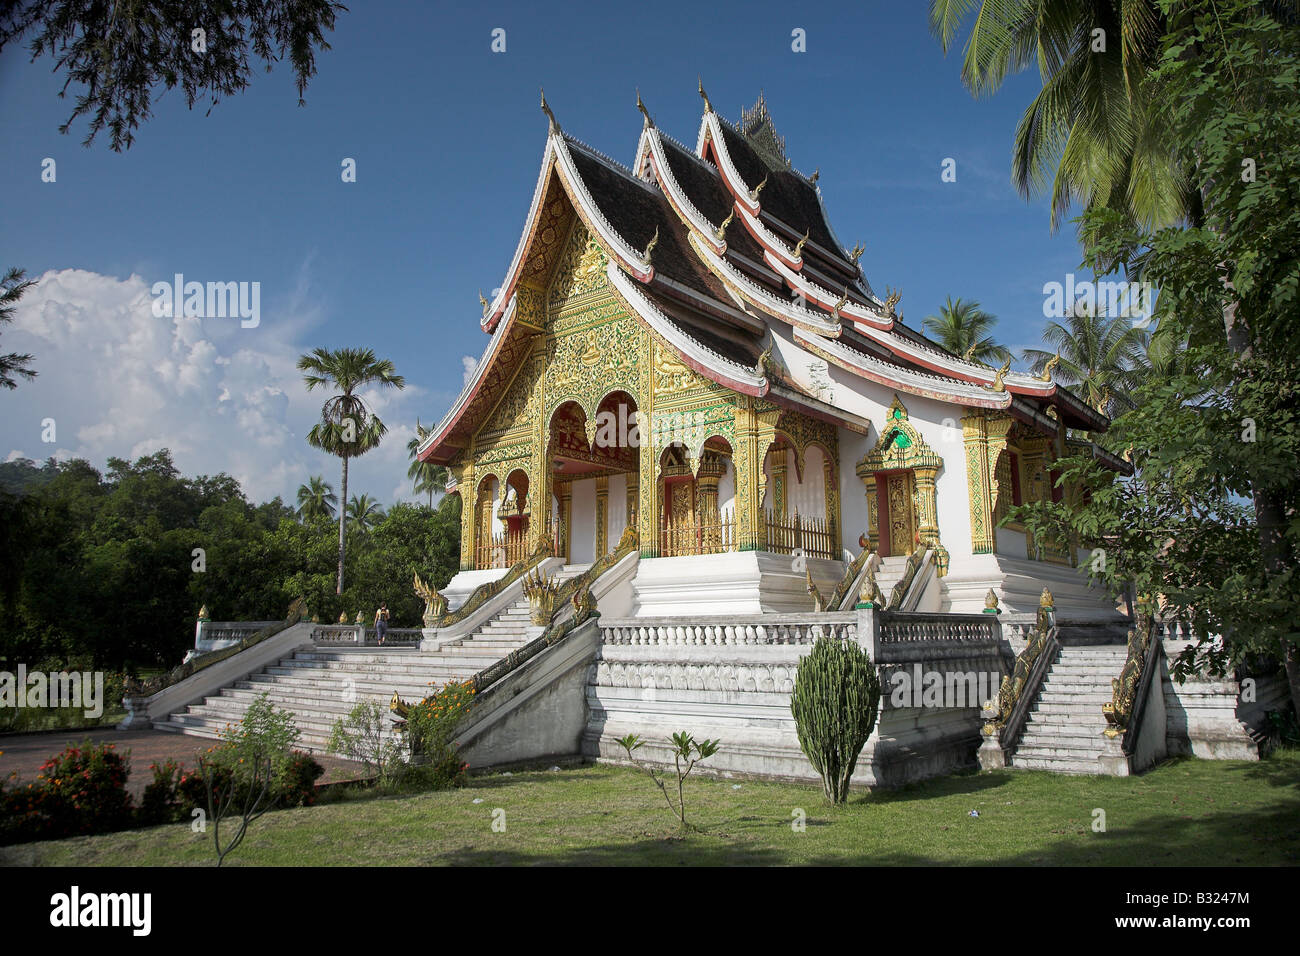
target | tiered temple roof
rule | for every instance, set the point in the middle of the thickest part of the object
(711, 247)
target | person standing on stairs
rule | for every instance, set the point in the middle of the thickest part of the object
(381, 622)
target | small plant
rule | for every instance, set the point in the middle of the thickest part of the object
(685, 750)
(160, 801)
(243, 795)
(430, 731)
(835, 700)
(360, 736)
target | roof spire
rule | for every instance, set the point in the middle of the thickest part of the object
(644, 112)
(708, 107)
(555, 126)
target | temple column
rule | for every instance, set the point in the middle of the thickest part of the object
(927, 516)
(778, 484)
(974, 429)
(468, 509)
(632, 495)
(755, 432)
(647, 513)
(708, 519)
(602, 517)
(873, 510)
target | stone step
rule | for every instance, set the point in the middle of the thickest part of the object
(1060, 746)
(1056, 765)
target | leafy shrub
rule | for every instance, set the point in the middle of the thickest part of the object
(295, 786)
(160, 802)
(835, 701)
(430, 728)
(77, 792)
(360, 736)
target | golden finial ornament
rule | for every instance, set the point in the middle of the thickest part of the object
(798, 248)
(555, 126)
(842, 302)
(1046, 375)
(343, 617)
(816, 175)
(203, 613)
(856, 254)
(708, 107)
(482, 300)
(870, 593)
(650, 123)
(721, 232)
(654, 241)
(1045, 599)
(892, 298)
(991, 602)
(753, 193)
(998, 384)
(361, 618)
(969, 355)
(819, 602)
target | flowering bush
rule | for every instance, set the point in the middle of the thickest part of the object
(160, 802)
(430, 727)
(79, 791)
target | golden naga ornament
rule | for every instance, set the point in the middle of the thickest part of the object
(891, 301)
(644, 112)
(816, 175)
(1046, 375)
(343, 617)
(798, 248)
(203, 613)
(708, 107)
(541, 596)
(753, 193)
(654, 241)
(999, 384)
(435, 605)
(721, 232)
(483, 302)
(870, 592)
(842, 302)
(991, 602)
(550, 117)
(856, 254)
(819, 602)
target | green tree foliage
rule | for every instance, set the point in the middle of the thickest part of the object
(1208, 520)
(12, 288)
(118, 54)
(1102, 356)
(102, 567)
(427, 476)
(316, 499)
(835, 701)
(964, 329)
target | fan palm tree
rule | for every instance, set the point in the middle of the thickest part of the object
(427, 476)
(365, 512)
(316, 499)
(1094, 134)
(348, 428)
(1101, 356)
(962, 328)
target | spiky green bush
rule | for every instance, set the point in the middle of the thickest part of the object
(835, 701)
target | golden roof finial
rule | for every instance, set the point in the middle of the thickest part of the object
(843, 300)
(816, 175)
(798, 248)
(1052, 362)
(891, 300)
(644, 112)
(969, 354)
(1045, 599)
(856, 254)
(654, 241)
(708, 107)
(483, 302)
(721, 232)
(550, 117)
(753, 193)
(998, 384)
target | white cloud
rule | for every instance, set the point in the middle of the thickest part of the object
(119, 381)
(469, 364)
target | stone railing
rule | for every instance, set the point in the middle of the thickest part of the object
(914, 562)
(899, 626)
(216, 635)
(730, 630)
(1005, 717)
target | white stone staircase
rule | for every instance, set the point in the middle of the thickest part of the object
(1064, 729)
(320, 685)
(889, 573)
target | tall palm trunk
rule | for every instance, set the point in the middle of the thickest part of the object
(343, 517)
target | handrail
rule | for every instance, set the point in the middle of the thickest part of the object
(920, 581)
(904, 584)
(845, 594)
(1130, 690)
(1020, 688)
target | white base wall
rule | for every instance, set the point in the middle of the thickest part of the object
(1018, 583)
(735, 582)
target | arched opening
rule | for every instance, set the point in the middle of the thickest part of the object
(594, 464)
(698, 496)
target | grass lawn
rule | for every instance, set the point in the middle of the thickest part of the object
(1186, 812)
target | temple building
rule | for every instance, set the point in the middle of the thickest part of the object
(683, 347)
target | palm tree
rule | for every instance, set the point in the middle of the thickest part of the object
(1101, 356)
(365, 512)
(1095, 130)
(12, 288)
(427, 476)
(316, 499)
(348, 428)
(962, 328)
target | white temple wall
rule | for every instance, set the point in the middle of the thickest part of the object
(727, 490)
(808, 496)
(582, 534)
(853, 495)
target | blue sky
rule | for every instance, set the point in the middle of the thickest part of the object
(447, 137)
